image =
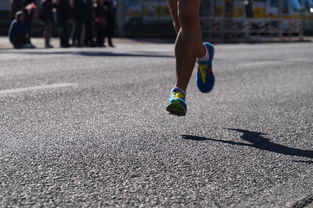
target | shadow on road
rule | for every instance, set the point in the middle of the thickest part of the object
(92, 53)
(303, 161)
(257, 140)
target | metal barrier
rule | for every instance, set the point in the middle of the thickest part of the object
(220, 29)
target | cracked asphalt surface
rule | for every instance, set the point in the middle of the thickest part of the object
(88, 128)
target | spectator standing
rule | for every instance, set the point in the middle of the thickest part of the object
(46, 15)
(111, 20)
(89, 18)
(29, 7)
(248, 9)
(18, 32)
(78, 16)
(63, 11)
(101, 24)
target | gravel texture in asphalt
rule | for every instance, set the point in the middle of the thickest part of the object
(88, 128)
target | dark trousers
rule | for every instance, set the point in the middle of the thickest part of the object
(19, 41)
(110, 33)
(77, 32)
(47, 32)
(28, 22)
(100, 36)
(88, 32)
(64, 34)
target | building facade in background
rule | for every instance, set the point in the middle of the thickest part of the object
(5, 5)
(152, 18)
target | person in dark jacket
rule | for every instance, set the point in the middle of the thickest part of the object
(63, 11)
(46, 15)
(89, 18)
(111, 20)
(78, 16)
(28, 8)
(101, 22)
(18, 35)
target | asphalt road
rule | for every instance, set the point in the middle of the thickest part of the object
(88, 128)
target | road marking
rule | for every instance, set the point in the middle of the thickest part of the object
(34, 88)
(261, 63)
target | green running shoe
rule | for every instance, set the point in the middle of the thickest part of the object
(177, 105)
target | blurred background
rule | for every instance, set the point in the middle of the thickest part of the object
(222, 20)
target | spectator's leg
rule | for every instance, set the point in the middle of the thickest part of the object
(88, 33)
(110, 35)
(98, 36)
(65, 34)
(79, 32)
(28, 22)
(75, 34)
(47, 33)
(62, 33)
(19, 41)
(103, 33)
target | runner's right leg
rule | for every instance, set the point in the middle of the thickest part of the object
(188, 44)
(188, 47)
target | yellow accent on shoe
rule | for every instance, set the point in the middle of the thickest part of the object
(178, 95)
(203, 68)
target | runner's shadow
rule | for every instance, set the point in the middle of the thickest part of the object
(257, 140)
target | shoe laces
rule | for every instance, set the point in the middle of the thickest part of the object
(178, 95)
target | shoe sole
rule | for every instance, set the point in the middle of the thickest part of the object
(176, 108)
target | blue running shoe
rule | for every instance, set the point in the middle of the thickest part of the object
(205, 77)
(177, 105)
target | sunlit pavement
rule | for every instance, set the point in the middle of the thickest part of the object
(87, 127)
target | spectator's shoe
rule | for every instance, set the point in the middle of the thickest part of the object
(111, 44)
(24, 46)
(65, 46)
(205, 77)
(101, 45)
(28, 46)
(32, 46)
(177, 105)
(77, 44)
(49, 46)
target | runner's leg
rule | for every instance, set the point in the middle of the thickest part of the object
(174, 12)
(188, 47)
(188, 44)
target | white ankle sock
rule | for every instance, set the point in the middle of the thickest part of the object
(205, 57)
(180, 90)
